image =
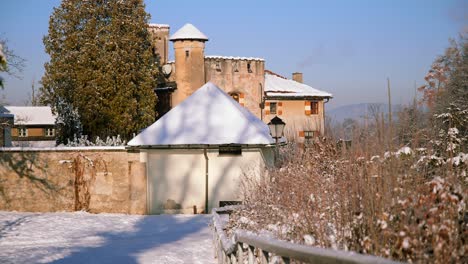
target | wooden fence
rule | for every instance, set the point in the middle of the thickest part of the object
(246, 247)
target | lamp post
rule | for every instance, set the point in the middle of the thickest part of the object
(276, 127)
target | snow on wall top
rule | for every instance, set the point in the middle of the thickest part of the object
(31, 115)
(188, 31)
(207, 117)
(277, 86)
(158, 25)
(233, 58)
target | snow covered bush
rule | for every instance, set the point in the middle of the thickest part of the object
(83, 141)
(393, 207)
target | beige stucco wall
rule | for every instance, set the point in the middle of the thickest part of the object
(176, 178)
(293, 114)
(43, 181)
(242, 81)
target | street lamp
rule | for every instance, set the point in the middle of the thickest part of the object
(276, 127)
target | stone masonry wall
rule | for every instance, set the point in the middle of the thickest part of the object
(44, 181)
(233, 75)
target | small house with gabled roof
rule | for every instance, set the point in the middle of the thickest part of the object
(198, 152)
(299, 105)
(33, 126)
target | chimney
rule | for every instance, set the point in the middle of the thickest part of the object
(297, 76)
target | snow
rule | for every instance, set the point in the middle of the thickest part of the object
(158, 25)
(404, 151)
(62, 148)
(277, 86)
(233, 58)
(188, 31)
(207, 117)
(461, 158)
(32, 115)
(81, 237)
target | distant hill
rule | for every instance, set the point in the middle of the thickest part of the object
(358, 111)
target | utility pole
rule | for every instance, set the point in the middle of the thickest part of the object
(389, 111)
(389, 102)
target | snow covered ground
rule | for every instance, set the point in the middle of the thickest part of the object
(104, 238)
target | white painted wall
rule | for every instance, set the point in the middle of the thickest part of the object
(179, 175)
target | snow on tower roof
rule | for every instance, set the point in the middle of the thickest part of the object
(31, 115)
(188, 31)
(276, 86)
(207, 117)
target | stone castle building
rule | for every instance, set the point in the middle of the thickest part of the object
(262, 92)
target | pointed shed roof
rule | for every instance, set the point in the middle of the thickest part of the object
(207, 117)
(188, 31)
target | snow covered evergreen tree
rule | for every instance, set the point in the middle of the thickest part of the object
(67, 122)
(102, 66)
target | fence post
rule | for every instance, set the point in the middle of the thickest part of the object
(220, 254)
(234, 259)
(240, 253)
(215, 243)
(263, 256)
(286, 260)
(251, 254)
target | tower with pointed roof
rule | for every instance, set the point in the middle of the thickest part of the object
(189, 53)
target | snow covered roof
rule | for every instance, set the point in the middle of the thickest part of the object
(282, 87)
(207, 117)
(233, 58)
(31, 115)
(188, 31)
(159, 25)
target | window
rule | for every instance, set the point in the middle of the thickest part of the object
(314, 108)
(249, 68)
(235, 96)
(218, 66)
(187, 53)
(22, 132)
(309, 135)
(230, 151)
(273, 108)
(49, 132)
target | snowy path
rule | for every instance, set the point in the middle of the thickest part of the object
(104, 238)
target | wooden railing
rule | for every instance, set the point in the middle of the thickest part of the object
(246, 247)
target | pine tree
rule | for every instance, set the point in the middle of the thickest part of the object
(101, 68)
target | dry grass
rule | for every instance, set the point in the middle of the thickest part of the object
(408, 207)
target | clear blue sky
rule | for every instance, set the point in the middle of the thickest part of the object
(347, 48)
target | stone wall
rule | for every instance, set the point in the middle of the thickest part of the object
(159, 34)
(235, 76)
(45, 180)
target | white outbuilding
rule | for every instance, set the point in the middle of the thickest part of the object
(198, 153)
